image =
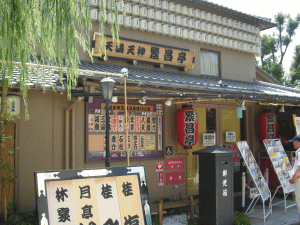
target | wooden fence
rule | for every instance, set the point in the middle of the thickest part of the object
(9, 144)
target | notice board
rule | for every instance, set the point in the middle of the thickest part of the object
(281, 163)
(117, 195)
(145, 131)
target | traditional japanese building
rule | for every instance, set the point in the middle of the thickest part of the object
(176, 53)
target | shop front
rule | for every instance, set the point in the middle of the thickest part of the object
(212, 71)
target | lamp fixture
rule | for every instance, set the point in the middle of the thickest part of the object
(243, 105)
(142, 101)
(168, 102)
(281, 109)
(114, 99)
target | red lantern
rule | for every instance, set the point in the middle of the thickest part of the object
(267, 126)
(187, 126)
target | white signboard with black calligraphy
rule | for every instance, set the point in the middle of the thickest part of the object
(93, 196)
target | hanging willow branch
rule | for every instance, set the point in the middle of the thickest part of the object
(50, 29)
(43, 32)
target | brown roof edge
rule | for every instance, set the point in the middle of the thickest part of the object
(264, 73)
(261, 22)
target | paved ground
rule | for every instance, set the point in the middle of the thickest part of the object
(278, 216)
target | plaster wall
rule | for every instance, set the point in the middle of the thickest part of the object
(42, 142)
(234, 64)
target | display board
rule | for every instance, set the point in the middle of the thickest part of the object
(236, 159)
(145, 131)
(281, 163)
(117, 195)
(254, 170)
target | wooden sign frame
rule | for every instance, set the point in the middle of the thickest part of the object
(48, 181)
(144, 51)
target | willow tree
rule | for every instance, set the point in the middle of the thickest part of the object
(42, 32)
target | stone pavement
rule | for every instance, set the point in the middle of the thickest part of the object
(278, 216)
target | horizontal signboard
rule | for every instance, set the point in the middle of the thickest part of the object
(148, 52)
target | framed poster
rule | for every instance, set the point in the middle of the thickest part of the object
(209, 139)
(254, 170)
(93, 196)
(281, 163)
(145, 131)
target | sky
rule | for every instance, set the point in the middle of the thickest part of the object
(268, 9)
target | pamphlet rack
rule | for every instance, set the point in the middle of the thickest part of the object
(262, 189)
(282, 168)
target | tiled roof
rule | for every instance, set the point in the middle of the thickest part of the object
(225, 88)
(186, 81)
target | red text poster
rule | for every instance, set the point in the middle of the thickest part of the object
(160, 179)
(175, 178)
(159, 166)
(171, 178)
(175, 164)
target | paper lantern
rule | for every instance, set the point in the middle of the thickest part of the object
(187, 126)
(267, 126)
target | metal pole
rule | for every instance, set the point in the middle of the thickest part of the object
(107, 159)
(243, 189)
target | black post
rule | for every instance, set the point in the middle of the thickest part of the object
(107, 159)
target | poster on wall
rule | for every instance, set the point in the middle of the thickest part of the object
(297, 125)
(280, 162)
(160, 179)
(145, 131)
(209, 139)
(254, 170)
(230, 137)
(236, 158)
(93, 196)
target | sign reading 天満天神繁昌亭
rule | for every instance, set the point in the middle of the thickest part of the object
(148, 52)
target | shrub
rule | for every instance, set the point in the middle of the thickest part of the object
(193, 221)
(16, 218)
(241, 219)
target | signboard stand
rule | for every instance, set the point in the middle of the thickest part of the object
(93, 196)
(282, 168)
(261, 188)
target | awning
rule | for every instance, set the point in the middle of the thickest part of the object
(169, 84)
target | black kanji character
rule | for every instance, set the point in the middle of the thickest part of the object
(120, 49)
(85, 192)
(87, 211)
(106, 191)
(60, 195)
(110, 222)
(189, 128)
(127, 189)
(132, 220)
(113, 147)
(168, 55)
(154, 53)
(141, 51)
(63, 214)
(181, 57)
(90, 223)
(130, 49)
(109, 46)
(189, 140)
(189, 116)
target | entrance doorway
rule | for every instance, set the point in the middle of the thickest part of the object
(213, 123)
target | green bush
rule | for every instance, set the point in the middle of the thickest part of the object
(241, 219)
(155, 220)
(193, 221)
(16, 218)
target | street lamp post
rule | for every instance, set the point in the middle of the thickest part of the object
(107, 88)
